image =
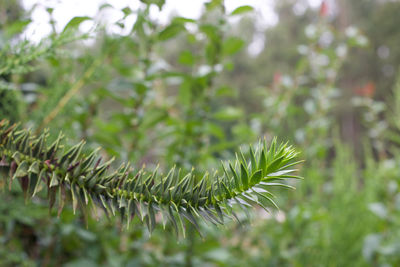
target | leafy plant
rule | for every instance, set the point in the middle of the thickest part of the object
(177, 196)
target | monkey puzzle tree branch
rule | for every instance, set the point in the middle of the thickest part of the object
(176, 196)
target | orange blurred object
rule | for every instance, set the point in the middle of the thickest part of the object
(368, 90)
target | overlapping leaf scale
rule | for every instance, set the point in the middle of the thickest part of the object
(177, 197)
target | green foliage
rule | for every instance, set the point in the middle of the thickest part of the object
(242, 9)
(10, 104)
(17, 59)
(188, 92)
(176, 195)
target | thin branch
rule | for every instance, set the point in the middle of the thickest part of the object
(67, 97)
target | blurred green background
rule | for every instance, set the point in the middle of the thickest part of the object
(323, 75)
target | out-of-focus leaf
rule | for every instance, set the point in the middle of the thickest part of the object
(159, 3)
(186, 58)
(106, 5)
(171, 31)
(185, 92)
(16, 27)
(232, 45)
(75, 22)
(228, 114)
(213, 4)
(127, 11)
(183, 20)
(214, 130)
(241, 10)
(225, 91)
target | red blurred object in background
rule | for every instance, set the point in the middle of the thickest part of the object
(368, 90)
(277, 77)
(323, 10)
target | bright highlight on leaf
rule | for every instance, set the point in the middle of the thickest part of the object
(177, 196)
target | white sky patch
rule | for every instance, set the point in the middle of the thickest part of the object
(65, 10)
(314, 3)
